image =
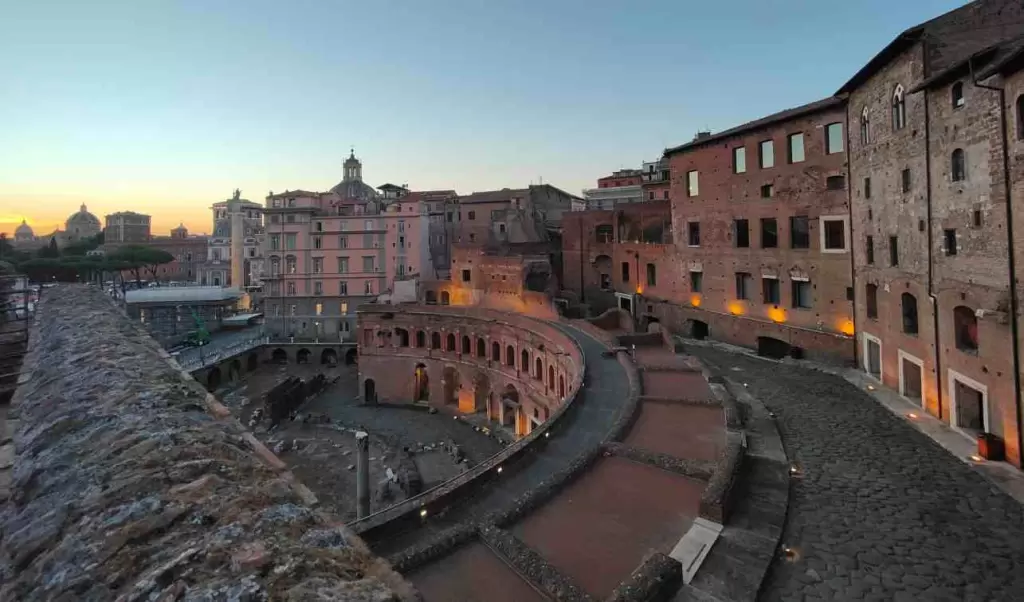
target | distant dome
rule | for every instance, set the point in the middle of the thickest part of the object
(352, 187)
(222, 229)
(82, 223)
(23, 231)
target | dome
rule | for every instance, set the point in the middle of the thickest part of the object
(24, 230)
(352, 187)
(83, 223)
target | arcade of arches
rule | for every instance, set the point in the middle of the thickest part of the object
(516, 369)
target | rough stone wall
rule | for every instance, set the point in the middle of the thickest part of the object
(1014, 98)
(467, 382)
(798, 189)
(131, 483)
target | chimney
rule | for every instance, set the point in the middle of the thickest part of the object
(702, 135)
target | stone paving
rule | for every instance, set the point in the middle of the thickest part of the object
(880, 512)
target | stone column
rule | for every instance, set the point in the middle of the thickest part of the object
(362, 474)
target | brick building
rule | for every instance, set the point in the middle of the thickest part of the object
(931, 220)
(620, 188)
(126, 227)
(509, 215)
(654, 180)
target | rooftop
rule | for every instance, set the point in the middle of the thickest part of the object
(182, 294)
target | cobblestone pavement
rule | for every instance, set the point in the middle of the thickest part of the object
(881, 512)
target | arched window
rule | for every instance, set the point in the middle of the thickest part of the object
(899, 109)
(524, 363)
(481, 348)
(466, 345)
(450, 342)
(865, 127)
(421, 339)
(403, 337)
(289, 264)
(275, 265)
(435, 340)
(965, 328)
(431, 298)
(446, 298)
(908, 303)
(495, 352)
(551, 377)
(958, 166)
(956, 94)
(561, 385)
(871, 295)
(510, 356)
(539, 372)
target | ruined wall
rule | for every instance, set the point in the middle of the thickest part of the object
(130, 482)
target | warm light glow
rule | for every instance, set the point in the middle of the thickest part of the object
(736, 308)
(977, 458)
(423, 513)
(846, 327)
(912, 416)
(547, 434)
(499, 470)
(695, 300)
(639, 289)
(776, 314)
(871, 387)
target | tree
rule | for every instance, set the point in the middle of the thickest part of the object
(50, 251)
(138, 258)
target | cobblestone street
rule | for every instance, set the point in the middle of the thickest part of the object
(881, 512)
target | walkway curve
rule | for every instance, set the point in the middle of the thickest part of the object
(604, 394)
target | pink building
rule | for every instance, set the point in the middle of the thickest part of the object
(328, 252)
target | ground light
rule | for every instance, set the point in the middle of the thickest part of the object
(977, 458)
(423, 513)
(871, 387)
(913, 416)
(792, 554)
(499, 470)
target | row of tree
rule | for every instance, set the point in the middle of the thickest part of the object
(74, 263)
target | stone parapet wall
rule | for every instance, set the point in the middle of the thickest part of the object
(131, 482)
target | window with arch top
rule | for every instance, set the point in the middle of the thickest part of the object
(899, 109)
(956, 94)
(865, 126)
(958, 166)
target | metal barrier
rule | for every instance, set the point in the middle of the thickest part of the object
(199, 360)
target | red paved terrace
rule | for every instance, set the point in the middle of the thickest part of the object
(683, 431)
(598, 529)
(472, 574)
(676, 385)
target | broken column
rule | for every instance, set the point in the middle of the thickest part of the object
(362, 474)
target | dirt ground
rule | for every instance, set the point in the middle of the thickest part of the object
(322, 453)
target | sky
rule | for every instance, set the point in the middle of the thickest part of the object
(166, 106)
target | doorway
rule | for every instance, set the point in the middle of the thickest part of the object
(968, 405)
(911, 378)
(873, 356)
(369, 391)
(421, 389)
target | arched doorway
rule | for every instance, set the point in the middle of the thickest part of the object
(431, 298)
(445, 298)
(369, 391)
(302, 357)
(279, 356)
(561, 386)
(351, 357)
(551, 377)
(699, 330)
(421, 384)
(450, 342)
(253, 362)
(509, 406)
(450, 382)
(213, 379)
(329, 357)
(481, 391)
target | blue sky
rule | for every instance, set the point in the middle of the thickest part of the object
(166, 106)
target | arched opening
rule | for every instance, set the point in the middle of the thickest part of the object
(551, 377)
(524, 362)
(958, 165)
(435, 340)
(403, 337)
(329, 357)
(450, 342)
(450, 385)
(495, 351)
(235, 370)
(699, 330)
(899, 109)
(908, 304)
(351, 357)
(965, 327)
(213, 379)
(369, 391)
(603, 268)
(302, 357)
(481, 348)
(467, 345)
(561, 385)
(865, 127)
(481, 391)
(510, 356)
(446, 298)
(538, 372)
(252, 362)
(421, 384)
(509, 406)
(653, 325)
(279, 356)
(421, 339)
(431, 298)
(956, 94)
(773, 348)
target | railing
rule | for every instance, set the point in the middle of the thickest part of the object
(198, 360)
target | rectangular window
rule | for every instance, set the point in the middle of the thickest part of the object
(767, 154)
(697, 282)
(368, 287)
(977, 218)
(342, 242)
(465, 275)
(833, 234)
(652, 275)
(949, 236)
(833, 138)
(770, 290)
(743, 280)
(693, 234)
(905, 181)
(796, 147)
(894, 251)
(871, 300)
(319, 228)
(835, 183)
(802, 294)
(343, 265)
(767, 191)
(869, 249)
(318, 287)
(692, 187)
(369, 240)
(625, 271)
(369, 225)
(741, 232)
(471, 215)
(289, 242)
(275, 242)
(799, 232)
(769, 233)
(739, 160)
(318, 265)
(867, 188)
(342, 288)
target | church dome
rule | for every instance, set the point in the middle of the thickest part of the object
(83, 223)
(352, 187)
(24, 231)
